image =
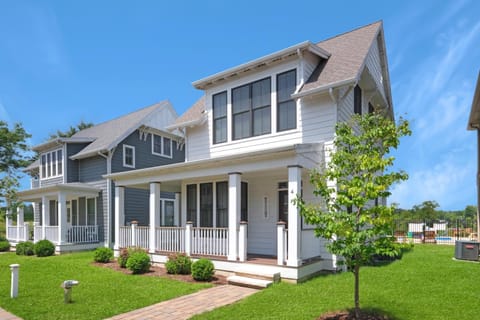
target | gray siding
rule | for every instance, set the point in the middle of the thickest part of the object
(136, 206)
(73, 165)
(143, 154)
(92, 169)
(51, 181)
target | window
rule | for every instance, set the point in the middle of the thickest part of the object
(51, 164)
(161, 146)
(192, 204)
(206, 205)
(222, 204)
(91, 212)
(128, 156)
(286, 106)
(167, 212)
(244, 202)
(219, 106)
(370, 108)
(357, 100)
(251, 109)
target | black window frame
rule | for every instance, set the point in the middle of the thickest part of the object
(192, 203)
(357, 100)
(219, 119)
(286, 101)
(251, 110)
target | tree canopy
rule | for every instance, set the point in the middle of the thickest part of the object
(350, 186)
(71, 131)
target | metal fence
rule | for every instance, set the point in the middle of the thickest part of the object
(439, 232)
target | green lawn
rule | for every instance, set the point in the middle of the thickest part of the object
(101, 293)
(425, 284)
(2, 228)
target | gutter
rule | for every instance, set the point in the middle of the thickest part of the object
(325, 88)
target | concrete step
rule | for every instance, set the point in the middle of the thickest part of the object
(249, 282)
(274, 277)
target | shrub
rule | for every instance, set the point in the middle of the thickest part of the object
(25, 249)
(202, 270)
(123, 257)
(179, 264)
(4, 246)
(103, 255)
(44, 248)
(138, 262)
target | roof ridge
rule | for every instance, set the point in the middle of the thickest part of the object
(350, 31)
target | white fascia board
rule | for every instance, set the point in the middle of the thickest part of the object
(324, 88)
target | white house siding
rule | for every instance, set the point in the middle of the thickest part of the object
(345, 104)
(197, 143)
(374, 66)
(102, 212)
(310, 62)
(317, 119)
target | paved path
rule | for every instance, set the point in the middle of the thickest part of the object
(4, 315)
(186, 306)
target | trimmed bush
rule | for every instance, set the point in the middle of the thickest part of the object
(123, 257)
(103, 255)
(202, 270)
(44, 248)
(138, 262)
(25, 249)
(4, 246)
(179, 263)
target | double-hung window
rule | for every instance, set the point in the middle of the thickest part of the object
(51, 164)
(128, 156)
(287, 108)
(357, 100)
(161, 146)
(251, 105)
(219, 105)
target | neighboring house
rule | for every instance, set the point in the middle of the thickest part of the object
(73, 203)
(250, 143)
(474, 124)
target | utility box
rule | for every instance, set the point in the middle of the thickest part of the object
(466, 250)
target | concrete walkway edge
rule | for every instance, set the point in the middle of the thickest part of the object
(5, 315)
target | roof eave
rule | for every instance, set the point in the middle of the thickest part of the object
(474, 118)
(324, 88)
(190, 123)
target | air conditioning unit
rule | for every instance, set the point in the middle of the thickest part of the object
(467, 250)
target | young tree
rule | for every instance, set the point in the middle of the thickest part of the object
(358, 173)
(71, 131)
(13, 157)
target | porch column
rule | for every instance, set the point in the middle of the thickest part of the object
(20, 223)
(119, 214)
(176, 210)
(154, 213)
(234, 194)
(62, 218)
(45, 216)
(294, 228)
(242, 241)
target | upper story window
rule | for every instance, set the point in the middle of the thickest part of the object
(219, 105)
(161, 146)
(357, 100)
(128, 156)
(286, 106)
(51, 164)
(251, 112)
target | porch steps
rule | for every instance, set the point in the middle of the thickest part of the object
(256, 281)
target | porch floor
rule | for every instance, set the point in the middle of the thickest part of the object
(262, 259)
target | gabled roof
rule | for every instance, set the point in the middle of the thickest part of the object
(107, 135)
(348, 54)
(474, 119)
(193, 116)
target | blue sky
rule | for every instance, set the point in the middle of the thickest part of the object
(66, 61)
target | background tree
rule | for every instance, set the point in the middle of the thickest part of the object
(71, 131)
(13, 157)
(357, 174)
(426, 210)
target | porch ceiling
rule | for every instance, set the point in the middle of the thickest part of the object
(79, 189)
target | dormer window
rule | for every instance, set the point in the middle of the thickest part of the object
(128, 156)
(161, 146)
(251, 112)
(51, 164)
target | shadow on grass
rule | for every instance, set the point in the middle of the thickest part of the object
(365, 314)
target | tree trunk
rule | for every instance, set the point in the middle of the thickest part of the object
(357, 290)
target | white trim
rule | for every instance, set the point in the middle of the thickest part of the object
(162, 149)
(126, 146)
(50, 163)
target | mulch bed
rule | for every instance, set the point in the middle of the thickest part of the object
(350, 315)
(156, 271)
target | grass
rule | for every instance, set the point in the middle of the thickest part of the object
(425, 284)
(101, 292)
(3, 227)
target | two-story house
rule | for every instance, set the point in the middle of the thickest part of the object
(250, 143)
(73, 202)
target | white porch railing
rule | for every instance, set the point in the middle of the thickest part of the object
(125, 240)
(51, 233)
(141, 237)
(170, 239)
(282, 243)
(210, 241)
(37, 233)
(82, 234)
(134, 236)
(18, 233)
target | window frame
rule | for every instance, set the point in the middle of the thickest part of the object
(125, 164)
(50, 168)
(162, 146)
(357, 100)
(251, 110)
(217, 119)
(279, 103)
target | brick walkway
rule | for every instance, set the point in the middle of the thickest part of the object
(4, 315)
(186, 306)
